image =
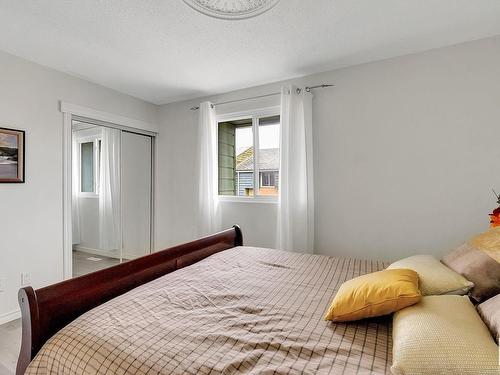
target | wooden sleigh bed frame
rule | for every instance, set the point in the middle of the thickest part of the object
(47, 310)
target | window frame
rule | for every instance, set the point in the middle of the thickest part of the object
(255, 115)
(95, 139)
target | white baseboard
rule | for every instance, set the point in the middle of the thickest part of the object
(103, 253)
(10, 316)
(127, 256)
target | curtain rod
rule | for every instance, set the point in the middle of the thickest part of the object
(307, 89)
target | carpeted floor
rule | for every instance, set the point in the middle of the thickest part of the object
(10, 343)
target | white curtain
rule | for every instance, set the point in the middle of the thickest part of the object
(296, 200)
(109, 190)
(208, 220)
(75, 187)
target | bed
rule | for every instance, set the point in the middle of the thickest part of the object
(212, 306)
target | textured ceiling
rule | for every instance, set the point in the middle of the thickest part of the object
(163, 50)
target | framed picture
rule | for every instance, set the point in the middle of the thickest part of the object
(11, 156)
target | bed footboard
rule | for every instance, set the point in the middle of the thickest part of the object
(45, 311)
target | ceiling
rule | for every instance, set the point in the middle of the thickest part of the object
(164, 51)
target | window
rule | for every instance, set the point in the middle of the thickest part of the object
(87, 167)
(267, 179)
(241, 141)
(90, 151)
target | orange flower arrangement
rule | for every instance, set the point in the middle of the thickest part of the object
(495, 215)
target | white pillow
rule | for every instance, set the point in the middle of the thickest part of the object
(434, 277)
(442, 335)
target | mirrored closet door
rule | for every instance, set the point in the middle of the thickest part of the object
(111, 196)
(136, 195)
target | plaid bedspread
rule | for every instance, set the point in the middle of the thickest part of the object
(244, 310)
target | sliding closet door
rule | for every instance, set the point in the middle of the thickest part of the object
(136, 194)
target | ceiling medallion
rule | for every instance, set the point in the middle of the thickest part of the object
(232, 9)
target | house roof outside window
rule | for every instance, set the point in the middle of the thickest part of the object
(269, 160)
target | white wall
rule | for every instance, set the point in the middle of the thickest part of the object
(31, 225)
(406, 152)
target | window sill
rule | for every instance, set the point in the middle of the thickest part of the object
(88, 195)
(237, 199)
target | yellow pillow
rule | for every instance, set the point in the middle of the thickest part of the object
(374, 294)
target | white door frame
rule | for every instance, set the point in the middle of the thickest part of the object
(71, 112)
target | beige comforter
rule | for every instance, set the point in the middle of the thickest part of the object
(244, 310)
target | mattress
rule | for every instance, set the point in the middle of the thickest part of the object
(245, 310)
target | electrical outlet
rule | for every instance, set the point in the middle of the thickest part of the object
(25, 278)
(3, 284)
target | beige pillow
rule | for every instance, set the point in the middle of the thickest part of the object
(490, 312)
(442, 335)
(477, 266)
(434, 277)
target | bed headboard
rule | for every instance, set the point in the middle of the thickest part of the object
(45, 311)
